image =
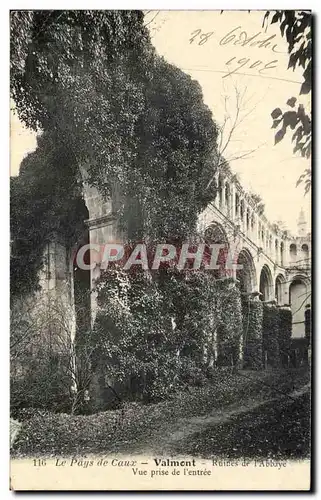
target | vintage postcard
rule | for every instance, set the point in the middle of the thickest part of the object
(160, 250)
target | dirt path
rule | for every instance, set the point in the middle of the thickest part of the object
(162, 439)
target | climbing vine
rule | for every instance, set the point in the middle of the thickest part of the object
(252, 333)
(140, 130)
(285, 333)
(271, 352)
(137, 124)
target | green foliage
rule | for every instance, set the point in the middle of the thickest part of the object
(285, 333)
(45, 204)
(297, 120)
(130, 334)
(230, 328)
(259, 204)
(252, 334)
(296, 27)
(154, 333)
(137, 124)
(135, 340)
(271, 351)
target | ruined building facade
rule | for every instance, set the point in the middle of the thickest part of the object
(275, 263)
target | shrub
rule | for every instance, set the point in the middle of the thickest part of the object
(230, 325)
(271, 352)
(147, 332)
(155, 333)
(285, 333)
(252, 334)
(44, 385)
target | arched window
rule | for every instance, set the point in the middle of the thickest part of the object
(266, 285)
(305, 254)
(279, 282)
(246, 275)
(216, 234)
(299, 297)
(237, 204)
(247, 219)
(242, 208)
(281, 252)
(293, 251)
(227, 194)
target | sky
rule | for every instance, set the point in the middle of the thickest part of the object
(207, 45)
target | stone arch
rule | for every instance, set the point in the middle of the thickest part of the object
(293, 251)
(281, 253)
(305, 253)
(247, 275)
(242, 208)
(220, 190)
(248, 218)
(227, 194)
(266, 284)
(279, 288)
(215, 233)
(237, 204)
(299, 297)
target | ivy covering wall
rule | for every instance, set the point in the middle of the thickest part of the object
(284, 334)
(155, 334)
(252, 334)
(271, 352)
(230, 327)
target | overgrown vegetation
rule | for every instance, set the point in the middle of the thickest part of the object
(134, 127)
(270, 326)
(155, 334)
(115, 114)
(46, 205)
(252, 332)
(47, 434)
(285, 333)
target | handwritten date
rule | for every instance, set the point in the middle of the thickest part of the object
(241, 38)
(246, 61)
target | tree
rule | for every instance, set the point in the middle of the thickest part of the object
(235, 113)
(50, 366)
(46, 203)
(135, 122)
(296, 27)
(259, 204)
